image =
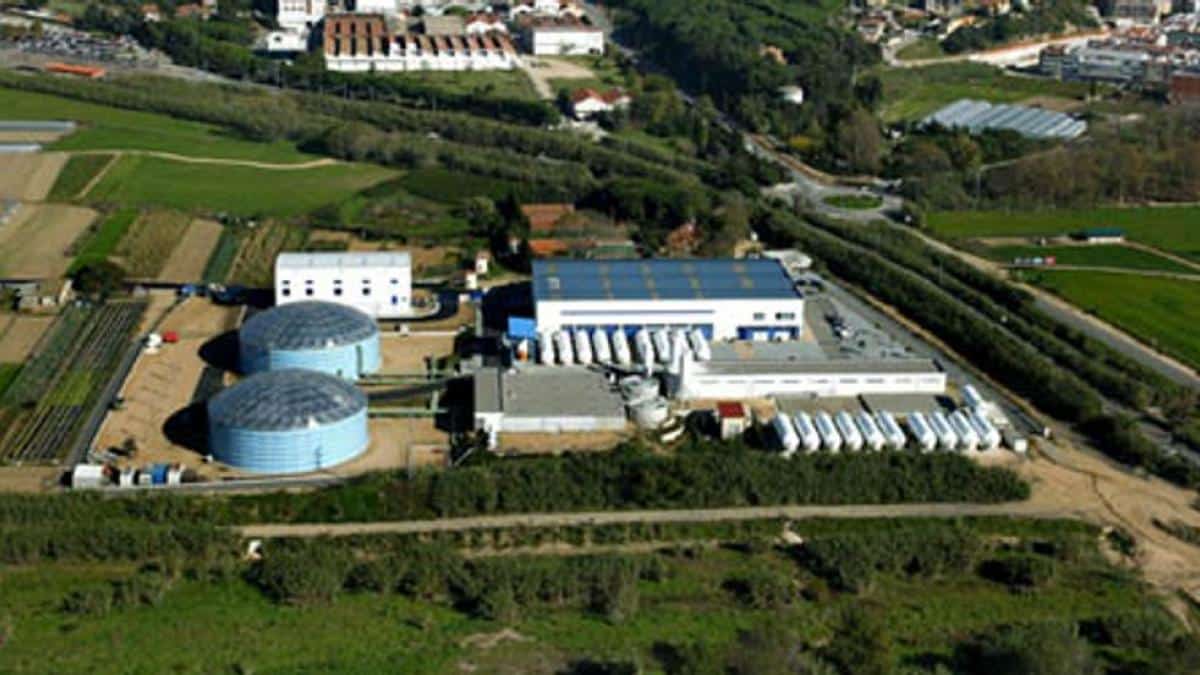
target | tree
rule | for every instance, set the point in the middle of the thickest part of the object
(860, 142)
(1047, 649)
(861, 645)
(99, 279)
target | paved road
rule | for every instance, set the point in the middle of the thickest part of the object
(945, 510)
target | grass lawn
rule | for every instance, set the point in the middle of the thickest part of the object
(105, 128)
(1163, 312)
(854, 202)
(925, 48)
(103, 239)
(1092, 256)
(210, 188)
(912, 93)
(75, 175)
(1175, 229)
(503, 84)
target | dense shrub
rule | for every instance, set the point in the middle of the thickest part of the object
(850, 561)
(1021, 572)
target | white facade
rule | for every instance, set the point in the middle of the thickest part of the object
(566, 40)
(387, 7)
(418, 53)
(758, 319)
(746, 380)
(295, 14)
(379, 284)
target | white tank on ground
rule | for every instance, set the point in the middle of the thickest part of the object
(831, 440)
(644, 345)
(968, 440)
(851, 438)
(620, 347)
(989, 435)
(635, 389)
(699, 345)
(562, 345)
(971, 397)
(650, 413)
(810, 439)
(546, 349)
(662, 345)
(922, 431)
(785, 434)
(600, 347)
(583, 347)
(680, 351)
(872, 437)
(891, 430)
(947, 438)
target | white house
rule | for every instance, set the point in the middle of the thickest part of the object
(297, 14)
(479, 24)
(564, 38)
(587, 103)
(537, 7)
(725, 299)
(379, 284)
(386, 7)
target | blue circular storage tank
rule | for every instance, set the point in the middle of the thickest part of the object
(288, 421)
(313, 335)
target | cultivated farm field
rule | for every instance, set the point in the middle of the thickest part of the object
(1174, 228)
(1123, 257)
(19, 334)
(189, 258)
(105, 128)
(1163, 312)
(241, 190)
(38, 243)
(147, 245)
(78, 173)
(29, 177)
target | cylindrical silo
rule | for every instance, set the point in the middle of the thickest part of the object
(562, 345)
(967, 438)
(313, 335)
(600, 347)
(851, 438)
(288, 421)
(922, 431)
(699, 345)
(947, 438)
(785, 434)
(810, 440)
(891, 430)
(583, 347)
(662, 345)
(872, 437)
(620, 346)
(831, 440)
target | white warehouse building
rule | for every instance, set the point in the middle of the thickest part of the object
(571, 38)
(750, 299)
(378, 284)
(747, 379)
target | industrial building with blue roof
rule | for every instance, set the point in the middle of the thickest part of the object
(725, 299)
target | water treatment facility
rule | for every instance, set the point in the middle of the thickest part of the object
(313, 335)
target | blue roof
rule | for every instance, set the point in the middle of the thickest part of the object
(727, 279)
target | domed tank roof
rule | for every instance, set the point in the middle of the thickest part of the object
(286, 399)
(307, 325)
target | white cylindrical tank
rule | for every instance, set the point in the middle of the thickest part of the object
(650, 413)
(635, 389)
(600, 347)
(831, 440)
(971, 396)
(620, 347)
(645, 346)
(546, 349)
(583, 347)
(968, 440)
(785, 434)
(662, 345)
(947, 439)
(989, 435)
(810, 440)
(699, 345)
(851, 438)
(922, 431)
(891, 430)
(562, 345)
(872, 437)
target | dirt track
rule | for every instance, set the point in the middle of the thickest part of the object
(188, 159)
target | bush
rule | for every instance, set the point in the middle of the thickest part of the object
(302, 572)
(1046, 649)
(762, 589)
(1020, 572)
(1145, 629)
(91, 601)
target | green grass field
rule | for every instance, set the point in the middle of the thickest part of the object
(1163, 312)
(212, 188)
(75, 175)
(506, 84)
(104, 128)
(8, 373)
(925, 48)
(1175, 229)
(605, 74)
(912, 93)
(102, 241)
(1093, 256)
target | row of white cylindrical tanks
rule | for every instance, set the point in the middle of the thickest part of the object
(584, 347)
(964, 430)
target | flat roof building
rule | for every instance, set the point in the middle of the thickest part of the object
(378, 284)
(546, 401)
(751, 299)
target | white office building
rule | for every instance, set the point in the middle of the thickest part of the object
(751, 299)
(298, 14)
(379, 284)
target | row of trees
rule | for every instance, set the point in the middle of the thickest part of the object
(1047, 18)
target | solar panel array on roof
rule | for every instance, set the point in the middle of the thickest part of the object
(660, 280)
(976, 116)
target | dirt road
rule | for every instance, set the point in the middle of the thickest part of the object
(270, 166)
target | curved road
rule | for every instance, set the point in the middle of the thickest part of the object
(270, 166)
(941, 510)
